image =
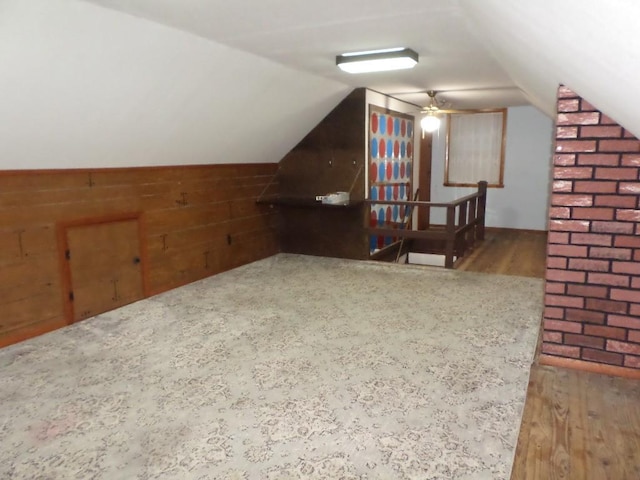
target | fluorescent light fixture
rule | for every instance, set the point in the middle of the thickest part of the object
(377, 60)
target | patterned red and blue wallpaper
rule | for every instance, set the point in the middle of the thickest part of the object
(390, 168)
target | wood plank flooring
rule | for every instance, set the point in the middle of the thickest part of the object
(509, 252)
(580, 426)
(576, 425)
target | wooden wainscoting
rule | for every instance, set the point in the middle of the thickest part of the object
(193, 222)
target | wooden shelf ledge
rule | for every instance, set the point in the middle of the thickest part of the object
(306, 202)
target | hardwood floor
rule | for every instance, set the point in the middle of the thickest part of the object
(576, 425)
(509, 252)
(579, 425)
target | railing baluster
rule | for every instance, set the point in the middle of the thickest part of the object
(451, 236)
(471, 234)
(462, 222)
(482, 204)
(471, 219)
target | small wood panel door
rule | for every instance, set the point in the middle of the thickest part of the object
(105, 267)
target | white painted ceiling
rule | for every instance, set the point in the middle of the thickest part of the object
(307, 35)
(109, 83)
(477, 53)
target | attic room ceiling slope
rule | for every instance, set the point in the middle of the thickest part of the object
(308, 35)
(590, 45)
(82, 86)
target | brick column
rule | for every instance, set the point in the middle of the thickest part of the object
(592, 301)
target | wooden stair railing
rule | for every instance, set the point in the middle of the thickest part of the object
(461, 232)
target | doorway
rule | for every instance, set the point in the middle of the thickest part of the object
(103, 266)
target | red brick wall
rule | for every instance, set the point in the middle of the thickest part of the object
(592, 302)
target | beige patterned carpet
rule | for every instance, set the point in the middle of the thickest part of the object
(291, 367)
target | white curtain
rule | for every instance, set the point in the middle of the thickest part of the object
(474, 149)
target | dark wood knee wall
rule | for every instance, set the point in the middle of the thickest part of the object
(195, 221)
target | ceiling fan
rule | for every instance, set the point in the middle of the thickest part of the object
(430, 121)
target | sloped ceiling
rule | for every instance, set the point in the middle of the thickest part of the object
(589, 45)
(308, 35)
(478, 53)
(151, 82)
(82, 86)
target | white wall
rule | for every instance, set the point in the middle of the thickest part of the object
(85, 86)
(523, 201)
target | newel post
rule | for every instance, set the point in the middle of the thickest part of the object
(482, 205)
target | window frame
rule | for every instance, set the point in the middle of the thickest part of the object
(503, 145)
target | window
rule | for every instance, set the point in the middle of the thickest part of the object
(475, 148)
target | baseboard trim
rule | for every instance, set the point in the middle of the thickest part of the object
(31, 331)
(515, 230)
(439, 226)
(572, 363)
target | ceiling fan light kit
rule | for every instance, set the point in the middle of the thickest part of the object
(431, 122)
(399, 58)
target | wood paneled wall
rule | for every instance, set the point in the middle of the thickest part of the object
(329, 158)
(196, 221)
